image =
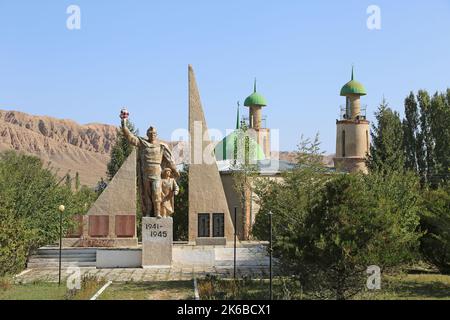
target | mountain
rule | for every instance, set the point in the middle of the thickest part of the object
(70, 147)
(67, 145)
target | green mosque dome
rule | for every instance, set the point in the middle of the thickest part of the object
(353, 87)
(255, 99)
(237, 145)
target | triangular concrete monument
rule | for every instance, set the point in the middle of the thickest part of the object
(206, 193)
(111, 221)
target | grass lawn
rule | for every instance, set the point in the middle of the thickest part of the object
(403, 287)
(412, 287)
(48, 290)
(34, 291)
(168, 290)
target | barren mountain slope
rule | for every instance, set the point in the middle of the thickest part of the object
(66, 144)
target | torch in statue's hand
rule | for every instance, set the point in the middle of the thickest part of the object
(124, 114)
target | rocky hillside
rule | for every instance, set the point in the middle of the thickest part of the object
(70, 147)
(67, 145)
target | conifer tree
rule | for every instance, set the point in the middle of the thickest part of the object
(410, 132)
(386, 150)
(120, 151)
(425, 142)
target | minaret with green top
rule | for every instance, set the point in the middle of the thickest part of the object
(255, 102)
(352, 138)
(353, 90)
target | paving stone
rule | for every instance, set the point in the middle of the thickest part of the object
(138, 274)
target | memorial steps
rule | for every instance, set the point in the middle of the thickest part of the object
(248, 255)
(48, 257)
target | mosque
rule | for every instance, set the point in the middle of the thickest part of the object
(251, 143)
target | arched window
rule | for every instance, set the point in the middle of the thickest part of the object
(343, 143)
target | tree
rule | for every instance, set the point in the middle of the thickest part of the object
(410, 132)
(435, 222)
(328, 227)
(101, 185)
(386, 150)
(68, 181)
(77, 181)
(181, 214)
(427, 136)
(353, 225)
(440, 130)
(29, 198)
(120, 151)
(15, 240)
(291, 198)
(425, 140)
(244, 172)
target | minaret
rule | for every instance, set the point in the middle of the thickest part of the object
(352, 138)
(255, 102)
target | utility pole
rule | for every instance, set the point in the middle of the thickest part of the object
(270, 256)
(235, 237)
(61, 211)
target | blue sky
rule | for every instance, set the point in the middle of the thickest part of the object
(135, 53)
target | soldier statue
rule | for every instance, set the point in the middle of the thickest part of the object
(153, 157)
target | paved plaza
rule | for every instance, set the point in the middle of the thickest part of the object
(139, 274)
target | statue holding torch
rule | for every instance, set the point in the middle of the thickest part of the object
(153, 158)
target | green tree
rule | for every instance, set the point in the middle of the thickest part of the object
(77, 181)
(435, 222)
(244, 171)
(292, 197)
(15, 241)
(386, 150)
(426, 160)
(68, 181)
(328, 228)
(440, 130)
(101, 185)
(181, 214)
(410, 132)
(427, 136)
(30, 195)
(120, 151)
(345, 237)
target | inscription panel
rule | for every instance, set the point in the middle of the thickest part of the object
(157, 238)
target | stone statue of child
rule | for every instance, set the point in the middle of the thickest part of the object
(169, 188)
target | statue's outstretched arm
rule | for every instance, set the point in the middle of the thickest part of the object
(132, 139)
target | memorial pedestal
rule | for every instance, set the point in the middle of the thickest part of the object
(157, 242)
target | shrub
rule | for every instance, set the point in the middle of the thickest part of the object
(14, 243)
(435, 222)
(30, 195)
(5, 283)
(328, 228)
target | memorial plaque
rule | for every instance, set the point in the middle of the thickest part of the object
(157, 238)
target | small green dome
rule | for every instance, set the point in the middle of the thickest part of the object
(255, 99)
(232, 147)
(353, 87)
